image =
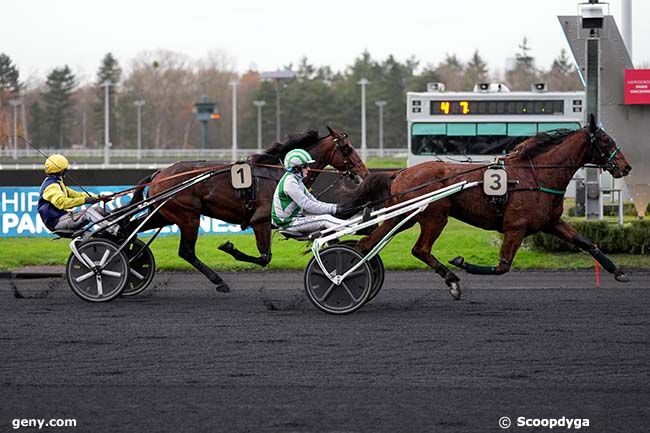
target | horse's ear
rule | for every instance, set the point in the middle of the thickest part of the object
(592, 123)
(331, 131)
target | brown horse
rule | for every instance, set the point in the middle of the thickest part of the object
(216, 197)
(543, 165)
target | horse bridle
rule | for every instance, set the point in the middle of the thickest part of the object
(346, 150)
(609, 164)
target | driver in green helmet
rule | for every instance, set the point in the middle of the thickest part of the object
(295, 208)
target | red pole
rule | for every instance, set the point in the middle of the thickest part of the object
(597, 268)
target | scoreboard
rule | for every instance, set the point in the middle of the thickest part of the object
(482, 124)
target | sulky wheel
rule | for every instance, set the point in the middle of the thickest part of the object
(376, 268)
(346, 297)
(102, 274)
(378, 274)
(142, 267)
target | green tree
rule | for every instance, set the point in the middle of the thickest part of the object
(524, 58)
(267, 93)
(110, 71)
(563, 76)
(347, 99)
(392, 88)
(8, 75)
(9, 87)
(476, 71)
(451, 72)
(57, 100)
(418, 83)
(308, 101)
(38, 126)
(523, 73)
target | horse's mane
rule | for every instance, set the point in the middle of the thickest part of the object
(301, 140)
(541, 143)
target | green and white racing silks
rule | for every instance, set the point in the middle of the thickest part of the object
(291, 199)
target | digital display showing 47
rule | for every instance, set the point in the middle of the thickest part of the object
(485, 107)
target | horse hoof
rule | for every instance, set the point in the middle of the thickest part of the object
(459, 262)
(622, 278)
(226, 247)
(454, 291)
(222, 288)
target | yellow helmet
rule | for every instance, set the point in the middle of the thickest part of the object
(56, 164)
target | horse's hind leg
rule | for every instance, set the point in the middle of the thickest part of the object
(511, 242)
(567, 233)
(430, 229)
(262, 232)
(187, 251)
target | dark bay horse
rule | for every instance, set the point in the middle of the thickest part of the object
(543, 165)
(216, 197)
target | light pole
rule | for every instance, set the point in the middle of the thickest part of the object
(626, 18)
(83, 129)
(107, 158)
(259, 104)
(15, 103)
(234, 83)
(381, 105)
(364, 150)
(277, 76)
(23, 120)
(138, 104)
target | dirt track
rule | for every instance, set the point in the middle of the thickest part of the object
(261, 359)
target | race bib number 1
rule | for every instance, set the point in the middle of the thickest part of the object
(241, 176)
(495, 182)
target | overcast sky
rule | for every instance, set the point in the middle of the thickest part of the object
(261, 34)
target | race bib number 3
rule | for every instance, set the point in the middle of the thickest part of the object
(495, 182)
(241, 176)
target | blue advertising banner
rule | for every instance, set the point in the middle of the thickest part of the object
(19, 213)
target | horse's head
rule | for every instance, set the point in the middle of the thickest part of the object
(339, 153)
(603, 151)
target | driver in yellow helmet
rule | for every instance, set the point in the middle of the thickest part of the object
(56, 200)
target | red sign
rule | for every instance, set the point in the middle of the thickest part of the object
(637, 86)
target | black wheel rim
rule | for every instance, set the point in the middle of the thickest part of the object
(142, 267)
(351, 294)
(378, 274)
(376, 265)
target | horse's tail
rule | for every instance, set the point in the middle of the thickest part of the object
(374, 189)
(129, 225)
(138, 195)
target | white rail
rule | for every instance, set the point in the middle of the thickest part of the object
(8, 156)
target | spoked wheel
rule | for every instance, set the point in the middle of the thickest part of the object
(376, 268)
(142, 267)
(343, 298)
(102, 274)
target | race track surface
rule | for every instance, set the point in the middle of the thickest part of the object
(183, 358)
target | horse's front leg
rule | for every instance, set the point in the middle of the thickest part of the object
(262, 230)
(564, 231)
(511, 242)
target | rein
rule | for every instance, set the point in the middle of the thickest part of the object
(124, 192)
(154, 181)
(592, 142)
(341, 175)
(482, 167)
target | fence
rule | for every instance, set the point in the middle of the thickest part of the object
(10, 157)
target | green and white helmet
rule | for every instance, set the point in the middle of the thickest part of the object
(297, 158)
